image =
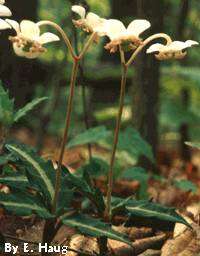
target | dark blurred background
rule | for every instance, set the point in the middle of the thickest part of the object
(162, 100)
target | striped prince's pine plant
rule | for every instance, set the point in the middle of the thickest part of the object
(31, 180)
(38, 187)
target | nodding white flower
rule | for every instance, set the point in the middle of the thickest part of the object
(4, 12)
(175, 49)
(128, 37)
(28, 42)
(90, 22)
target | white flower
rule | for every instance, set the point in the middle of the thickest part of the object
(173, 50)
(90, 22)
(4, 12)
(120, 35)
(28, 42)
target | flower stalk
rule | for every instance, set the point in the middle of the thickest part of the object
(145, 43)
(76, 62)
(62, 33)
(85, 110)
(66, 130)
(125, 65)
(116, 134)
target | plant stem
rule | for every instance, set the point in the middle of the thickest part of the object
(121, 105)
(76, 61)
(145, 42)
(103, 245)
(65, 136)
(85, 110)
(61, 31)
(85, 48)
(87, 45)
(50, 230)
(83, 92)
(116, 135)
(3, 135)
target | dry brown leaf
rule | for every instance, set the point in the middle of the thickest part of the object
(181, 228)
(133, 232)
(4, 189)
(191, 213)
(121, 187)
(81, 243)
(148, 243)
(172, 196)
(151, 253)
(139, 246)
(186, 244)
(73, 157)
(194, 209)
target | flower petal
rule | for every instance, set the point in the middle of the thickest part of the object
(114, 28)
(191, 43)
(47, 38)
(4, 11)
(29, 29)
(137, 27)
(101, 29)
(79, 10)
(94, 22)
(2, 1)
(14, 24)
(178, 46)
(155, 48)
(4, 25)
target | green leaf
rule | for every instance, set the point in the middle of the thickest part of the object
(96, 167)
(23, 204)
(41, 173)
(148, 209)
(131, 141)
(4, 159)
(94, 227)
(92, 135)
(84, 186)
(64, 200)
(15, 181)
(23, 111)
(6, 107)
(174, 113)
(141, 175)
(190, 74)
(118, 204)
(193, 144)
(135, 173)
(186, 185)
(158, 177)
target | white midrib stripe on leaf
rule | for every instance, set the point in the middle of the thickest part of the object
(18, 178)
(148, 211)
(38, 168)
(79, 225)
(22, 205)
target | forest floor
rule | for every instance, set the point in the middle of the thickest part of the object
(149, 239)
